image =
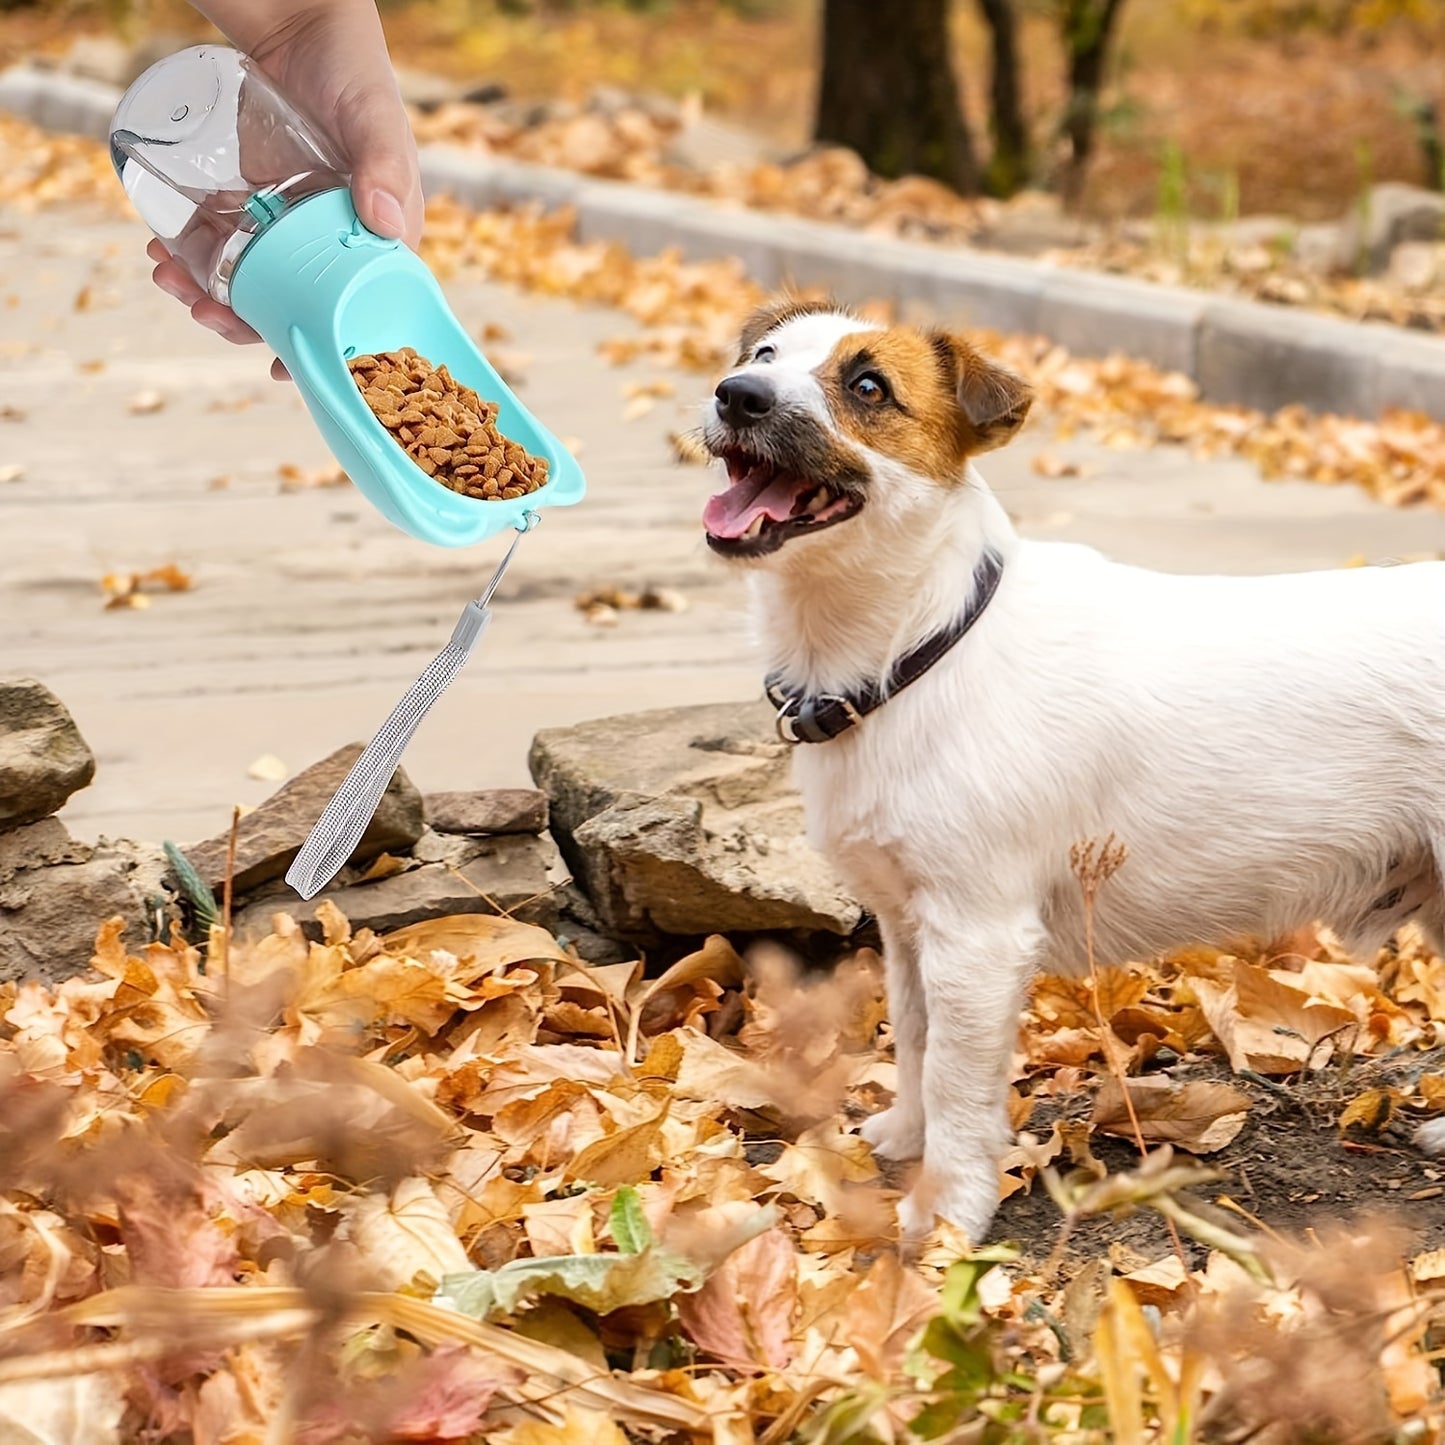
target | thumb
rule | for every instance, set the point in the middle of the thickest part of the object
(385, 178)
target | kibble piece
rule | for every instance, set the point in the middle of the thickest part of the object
(445, 427)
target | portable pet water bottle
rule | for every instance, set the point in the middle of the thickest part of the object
(256, 206)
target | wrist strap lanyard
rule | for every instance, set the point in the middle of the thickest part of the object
(350, 811)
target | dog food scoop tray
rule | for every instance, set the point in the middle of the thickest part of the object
(254, 203)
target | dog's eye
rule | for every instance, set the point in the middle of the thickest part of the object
(765, 353)
(869, 387)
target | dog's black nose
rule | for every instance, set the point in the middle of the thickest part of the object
(743, 401)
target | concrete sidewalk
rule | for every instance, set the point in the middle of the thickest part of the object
(310, 615)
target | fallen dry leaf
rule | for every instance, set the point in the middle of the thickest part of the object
(1268, 1025)
(577, 1427)
(884, 1313)
(304, 479)
(743, 1313)
(1197, 1116)
(146, 403)
(131, 589)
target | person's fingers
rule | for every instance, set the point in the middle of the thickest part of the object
(279, 372)
(175, 280)
(386, 179)
(223, 321)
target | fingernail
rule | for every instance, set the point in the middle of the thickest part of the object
(387, 215)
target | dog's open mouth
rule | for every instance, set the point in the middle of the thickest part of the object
(765, 505)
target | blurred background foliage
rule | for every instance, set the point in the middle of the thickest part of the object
(1280, 106)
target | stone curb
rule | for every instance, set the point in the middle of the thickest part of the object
(1238, 351)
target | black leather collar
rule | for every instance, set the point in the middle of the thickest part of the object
(819, 719)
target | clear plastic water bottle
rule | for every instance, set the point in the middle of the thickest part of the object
(210, 154)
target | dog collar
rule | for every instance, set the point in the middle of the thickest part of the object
(820, 718)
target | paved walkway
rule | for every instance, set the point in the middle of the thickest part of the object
(310, 614)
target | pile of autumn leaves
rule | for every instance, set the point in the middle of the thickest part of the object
(687, 316)
(451, 1184)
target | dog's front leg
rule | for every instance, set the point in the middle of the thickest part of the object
(897, 1132)
(974, 976)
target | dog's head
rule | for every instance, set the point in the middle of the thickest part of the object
(825, 421)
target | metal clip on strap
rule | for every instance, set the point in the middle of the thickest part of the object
(350, 811)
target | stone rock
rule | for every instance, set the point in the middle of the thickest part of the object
(702, 144)
(1417, 265)
(424, 91)
(580, 929)
(497, 810)
(269, 838)
(484, 92)
(43, 758)
(112, 62)
(1318, 248)
(1034, 221)
(1257, 230)
(1393, 212)
(99, 57)
(684, 821)
(56, 892)
(518, 876)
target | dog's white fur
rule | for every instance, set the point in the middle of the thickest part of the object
(1270, 749)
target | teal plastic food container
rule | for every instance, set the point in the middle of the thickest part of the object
(246, 195)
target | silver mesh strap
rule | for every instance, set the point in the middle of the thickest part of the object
(349, 813)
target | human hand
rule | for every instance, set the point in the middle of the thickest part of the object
(329, 58)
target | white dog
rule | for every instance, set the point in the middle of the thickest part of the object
(969, 705)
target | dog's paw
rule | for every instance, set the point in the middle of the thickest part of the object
(894, 1134)
(969, 1209)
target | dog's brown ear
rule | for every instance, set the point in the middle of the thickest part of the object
(994, 400)
(773, 314)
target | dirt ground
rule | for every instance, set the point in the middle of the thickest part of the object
(1290, 1169)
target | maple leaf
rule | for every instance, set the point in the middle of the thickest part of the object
(884, 1313)
(743, 1313)
(1198, 1116)
(447, 1396)
(1267, 1024)
(405, 1237)
(607, 1282)
(88, 1407)
(577, 1427)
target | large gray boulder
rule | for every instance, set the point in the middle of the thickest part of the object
(684, 821)
(270, 837)
(56, 892)
(43, 758)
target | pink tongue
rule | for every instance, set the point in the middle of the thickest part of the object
(731, 513)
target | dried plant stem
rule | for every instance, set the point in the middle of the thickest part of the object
(1094, 869)
(227, 895)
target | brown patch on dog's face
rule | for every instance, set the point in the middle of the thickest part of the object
(772, 315)
(926, 399)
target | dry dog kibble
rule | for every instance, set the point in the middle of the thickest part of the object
(445, 427)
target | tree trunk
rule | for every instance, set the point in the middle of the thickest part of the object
(888, 90)
(1010, 165)
(1088, 26)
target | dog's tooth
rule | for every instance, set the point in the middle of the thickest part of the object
(819, 501)
(754, 531)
